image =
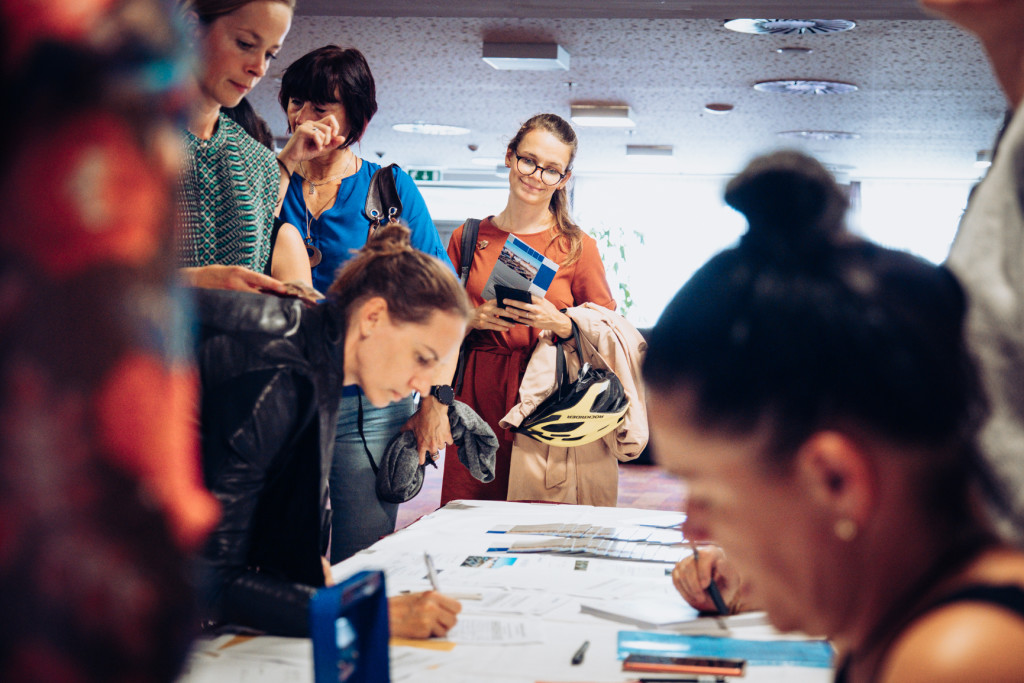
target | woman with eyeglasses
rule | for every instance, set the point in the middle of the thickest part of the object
(539, 158)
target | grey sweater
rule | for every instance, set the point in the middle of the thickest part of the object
(988, 258)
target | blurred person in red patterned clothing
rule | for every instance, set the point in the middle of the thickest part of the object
(101, 502)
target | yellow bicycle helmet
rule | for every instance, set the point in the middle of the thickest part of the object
(581, 412)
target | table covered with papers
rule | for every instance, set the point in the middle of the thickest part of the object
(536, 581)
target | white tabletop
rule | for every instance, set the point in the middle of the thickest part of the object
(528, 623)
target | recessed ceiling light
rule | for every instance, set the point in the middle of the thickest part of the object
(718, 107)
(983, 159)
(526, 56)
(825, 135)
(649, 150)
(602, 115)
(792, 50)
(789, 26)
(805, 87)
(430, 128)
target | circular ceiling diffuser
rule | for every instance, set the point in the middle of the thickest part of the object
(825, 135)
(805, 87)
(789, 26)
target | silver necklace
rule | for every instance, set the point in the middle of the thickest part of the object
(314, 254)
(324, 181)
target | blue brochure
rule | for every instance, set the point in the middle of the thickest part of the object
(520, 266)
(810, 653)
(349, 626)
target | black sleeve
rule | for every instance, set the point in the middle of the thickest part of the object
(248, 425)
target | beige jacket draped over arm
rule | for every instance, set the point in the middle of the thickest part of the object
(588, 474)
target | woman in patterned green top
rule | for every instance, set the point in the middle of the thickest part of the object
(229, 181)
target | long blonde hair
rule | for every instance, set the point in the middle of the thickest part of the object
(567, 232)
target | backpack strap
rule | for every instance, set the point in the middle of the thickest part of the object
(470, 230)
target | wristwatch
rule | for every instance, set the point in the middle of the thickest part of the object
(443, 393)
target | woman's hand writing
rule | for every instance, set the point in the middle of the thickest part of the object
(692, 578)
(422, 615)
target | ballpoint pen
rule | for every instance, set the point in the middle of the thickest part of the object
(712, 589)
(436, 585)
(431, 572)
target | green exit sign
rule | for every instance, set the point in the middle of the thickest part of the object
(427, 175)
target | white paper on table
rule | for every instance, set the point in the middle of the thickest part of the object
(287, 650)
(203, 668)
(535, 603)
(257, 659)
(647, 613)
(409, 663)
(474, 629)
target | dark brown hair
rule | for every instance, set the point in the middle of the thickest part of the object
(413, 284)
(209, 11)
(803, 327)
(333, 74)
(566, 231)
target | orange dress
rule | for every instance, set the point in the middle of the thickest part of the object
(497, 360)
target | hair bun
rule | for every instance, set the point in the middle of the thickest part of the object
(388, 239)
(792, 204)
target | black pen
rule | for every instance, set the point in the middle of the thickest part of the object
(712, 589)
(577, 658)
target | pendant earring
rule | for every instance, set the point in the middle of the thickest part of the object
(845, 529)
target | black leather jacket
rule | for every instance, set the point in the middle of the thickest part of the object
(271, 375)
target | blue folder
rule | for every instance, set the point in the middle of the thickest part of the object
(349, 626)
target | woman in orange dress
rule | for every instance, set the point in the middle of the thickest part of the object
(539, 159)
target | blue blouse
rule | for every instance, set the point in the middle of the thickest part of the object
(344, 227)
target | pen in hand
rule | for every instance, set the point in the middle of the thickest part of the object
(431, 572)
(577, 658)
(436, 585)
(712, 589)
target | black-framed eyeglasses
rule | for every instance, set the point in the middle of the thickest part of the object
(528, 166)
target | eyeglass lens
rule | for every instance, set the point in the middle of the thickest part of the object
(527, 166)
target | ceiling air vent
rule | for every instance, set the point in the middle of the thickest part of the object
(805, 87)
(789, 26)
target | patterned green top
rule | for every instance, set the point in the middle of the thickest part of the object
(227, 192)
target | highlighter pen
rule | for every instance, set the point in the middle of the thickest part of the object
(712, 589)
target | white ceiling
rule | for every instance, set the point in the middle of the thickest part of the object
(926, 104)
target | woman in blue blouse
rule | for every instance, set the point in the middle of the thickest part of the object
(329, 98)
